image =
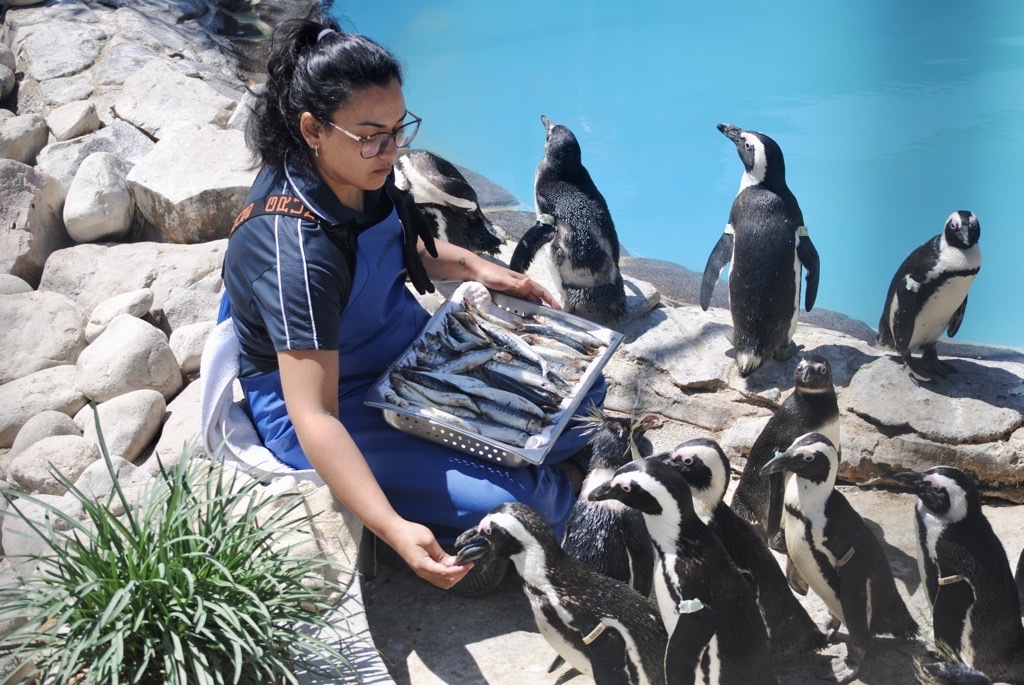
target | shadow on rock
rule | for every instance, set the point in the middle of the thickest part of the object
(844, 359)
(904, 566)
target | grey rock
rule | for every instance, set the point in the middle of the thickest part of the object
(129, 422)
(99, 205)
(61, 91)
(513, 223)
(129, 355)
(72, 120)
(61, 160)
(676, 283)
(191, 208)
(30, 212)
(187, 344)
(133, 303)
(69, 455)
(21, 541)
(490, 195)
(119, 61)
(6, 114)
(59, 48)
(181, 428)
(45, 329)
(197, 305)
(43, 425)
(7, 58)
(243, 111)
(979, 404)
(7, 81)
(20, 400)
(158, 99)
(96, 481)
(12, 285)
(21, 138)
(90, 274)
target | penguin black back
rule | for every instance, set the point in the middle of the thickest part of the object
(693, 564)
(608, 537)
(974, 599)
(812, 407)
(706, 468)
(571, 602)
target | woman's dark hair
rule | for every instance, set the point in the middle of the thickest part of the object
(310, 70)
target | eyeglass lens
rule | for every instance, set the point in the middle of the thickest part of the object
(379, 141)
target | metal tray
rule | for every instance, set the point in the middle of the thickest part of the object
(411, 420)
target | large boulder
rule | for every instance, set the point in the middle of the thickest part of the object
(44, 329)
(69, 455)
(61, 91)
(121, 139)
(129, 355)
(12, 285)
(90, 274)
(99, 205)
(187, 344)
(43, 425)
(188, 207)
(55, 49)
(20, 400)
(157, 99)
(135, 303)
(30, 213)
(129, 422)
(72, 120)
(180, 430)
(7, 81)
(21, 138)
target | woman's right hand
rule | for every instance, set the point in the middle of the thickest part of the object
(421, 551)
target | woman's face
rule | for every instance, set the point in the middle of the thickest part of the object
(339, 159)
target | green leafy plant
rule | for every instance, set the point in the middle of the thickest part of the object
(194, 584)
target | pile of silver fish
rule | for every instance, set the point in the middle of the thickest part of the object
(502, 378)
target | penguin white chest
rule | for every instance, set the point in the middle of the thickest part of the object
(804, 537)
(667, 607)
(938, 309)
(554, 637)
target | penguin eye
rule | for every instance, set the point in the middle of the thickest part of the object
(688, 461)
(808, 457)
(748, 146)
(820, 368)
(626, 487)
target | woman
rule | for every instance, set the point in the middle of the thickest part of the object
(318, 299)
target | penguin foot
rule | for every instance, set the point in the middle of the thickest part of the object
(787, 352)
(930, 360)
(918, 370)
(778, 542)
(851, 666)
(832, 630)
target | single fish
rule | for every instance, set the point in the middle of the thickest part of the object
(478, 388)
(467, 361)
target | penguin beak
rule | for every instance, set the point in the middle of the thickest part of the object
(548, 124)
(602, 492)
(731, 132)
(472, 546)
(911, 479)
(780, 463)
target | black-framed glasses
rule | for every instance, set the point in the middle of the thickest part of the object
(378, 142)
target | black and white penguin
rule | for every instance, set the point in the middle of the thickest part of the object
(446, 200)
(835, 552)
(1019, 577)
(928, 295)
(706, 468)
(573, 214)
(974, 599)
(767, 243)
(691, 565)
(811, 408)
(607, 536)
(573, 606)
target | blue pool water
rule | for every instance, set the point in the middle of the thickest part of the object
(891, 115)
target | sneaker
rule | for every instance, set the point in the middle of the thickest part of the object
(482, 581)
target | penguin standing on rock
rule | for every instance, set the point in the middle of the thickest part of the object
(974, 600)
(832, 548)
(693, 565)
(706, 468)
(446, 200)
(573, 214)
(928, 295)
(767, 243)
(607, 536)
(811, 408)
(601, 627)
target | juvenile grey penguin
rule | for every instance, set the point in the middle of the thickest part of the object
(834, 551)
(572, 213)
(706, 468)
(447, 201)
(811, 408)
(607, 536)
(928, 295)
(600, 626)
(692, 565)
(974, 600)
(767, 242)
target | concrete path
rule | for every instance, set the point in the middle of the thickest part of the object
(427, 636)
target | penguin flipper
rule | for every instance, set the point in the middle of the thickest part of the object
(906, 312)
(957, 319)
(1019, 577)
(607, 654)
(686, 645)
(809, 258)
(776, 494)
(534, 239)
(720, 256)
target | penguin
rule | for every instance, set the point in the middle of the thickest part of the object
(572, 213)
(706, 468)
(812, 407)
(970, 587)
(832, 548)
(928, 295)
(693, 564)
(608, 537)
(1019, 577)
(574, 607)
(767, 242)
(446, 200)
